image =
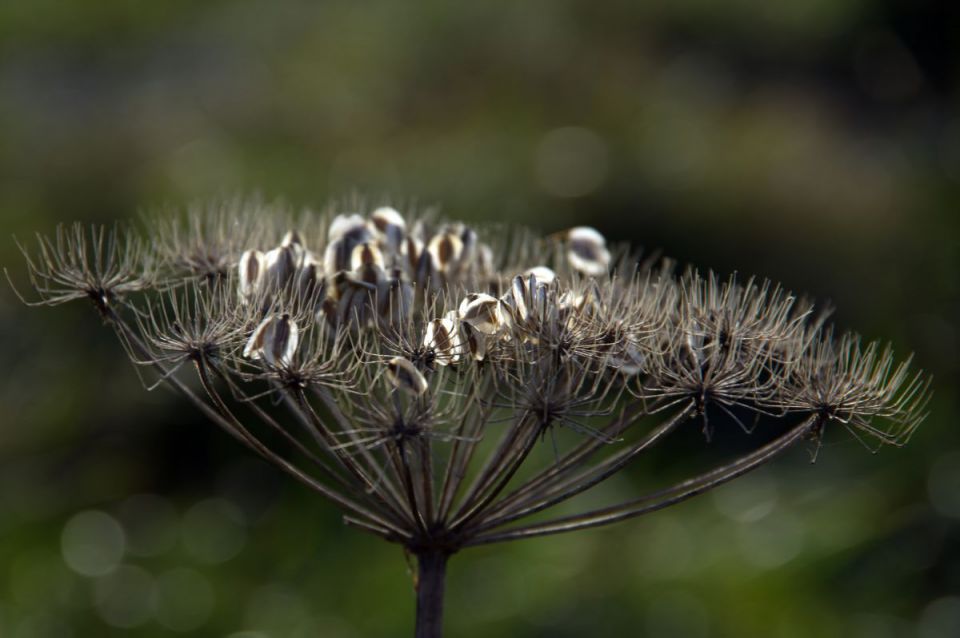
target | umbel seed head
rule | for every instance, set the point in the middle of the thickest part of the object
(441, 384)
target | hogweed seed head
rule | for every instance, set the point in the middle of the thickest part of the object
(417, 366)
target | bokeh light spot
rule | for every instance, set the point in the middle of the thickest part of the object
(124, 598)
(92, 543)
(773, 541)
(213, 531)
(184, 599)
(150, 522)
(940, 619)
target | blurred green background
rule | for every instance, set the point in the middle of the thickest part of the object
(816, 142)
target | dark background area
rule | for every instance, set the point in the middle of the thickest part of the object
(816, 142)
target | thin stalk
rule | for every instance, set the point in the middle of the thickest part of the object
(241, 434)
(574, 457)
(658, 500)
(567, 489)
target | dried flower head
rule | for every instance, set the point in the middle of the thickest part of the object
(411, 368)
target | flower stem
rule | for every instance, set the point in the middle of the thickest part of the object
(431, 573)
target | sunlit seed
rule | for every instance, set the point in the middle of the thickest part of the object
(405, 376)
(292, 238)
(274, 340)
(395, 299)
(351, 226)
(445, 251)
(411, 250)
(366, 262)
(587, 251)
(307, 279)
(281, 263)
(335, 257)
(389, 226)
(482, 312)
(441, 336)
(251, 268)
(543, 275)
(473, 341)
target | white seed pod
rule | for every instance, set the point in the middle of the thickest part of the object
(308, 276)
(292, 238)
(281, 264)
(544, 276)
(587, 251)
(443, 337)
(473, 341)
(349, 226)
(483, 312)
(405, 376)
(410, 250)
(354, 299)
(517, 299)
(335, 257)
(528, 295)
(394, 299)
(446, 251)
(366, 261)
(274, 340)
(389, 226)
(252, 266)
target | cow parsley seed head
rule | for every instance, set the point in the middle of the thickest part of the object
(406, 368)
(100, 264)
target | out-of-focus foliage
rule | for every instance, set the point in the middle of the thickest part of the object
(814, 142)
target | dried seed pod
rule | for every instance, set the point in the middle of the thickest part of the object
(473, 341)
(587, 251)
(411, 249)
(354, 299)
(527, 297)
(394, 299)
(446, 251)
(308, 276)
(346, 232)
(292, 238)
(366, 261)
(349, 226)
(390, 227)
(482, 312)
(405, 376)
(281, 264)
(335, 257)
(544, 276)
(443, 337)
(274, 340)
(252, 266)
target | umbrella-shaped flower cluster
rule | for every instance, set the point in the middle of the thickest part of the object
(441, 384)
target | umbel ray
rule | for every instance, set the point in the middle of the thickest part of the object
(407, 368)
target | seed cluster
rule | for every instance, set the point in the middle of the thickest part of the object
(408, 369)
